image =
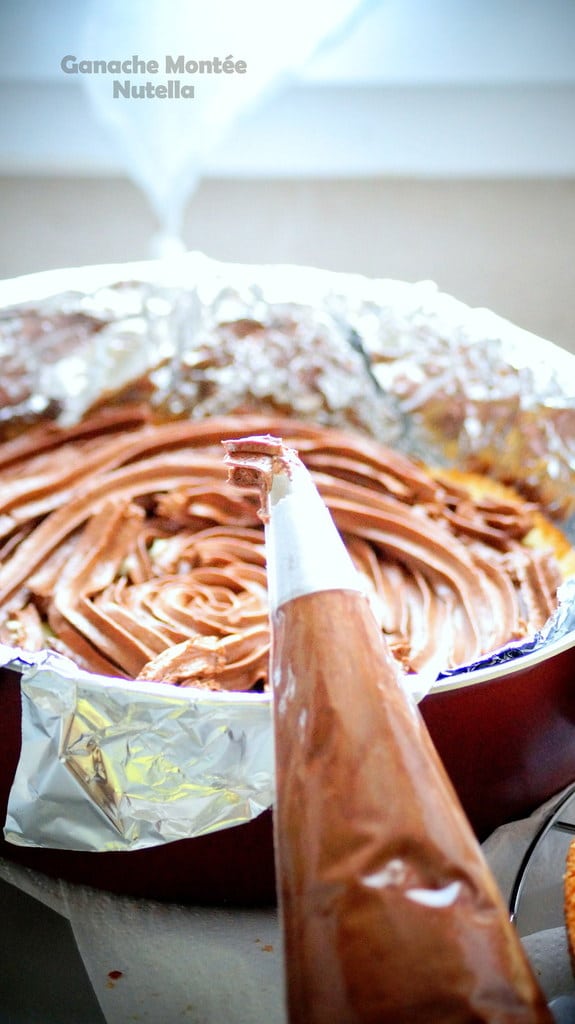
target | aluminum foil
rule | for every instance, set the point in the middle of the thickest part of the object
(110, 766)
(453, 385)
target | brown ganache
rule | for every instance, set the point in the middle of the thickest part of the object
(123, 546)
(389, 911)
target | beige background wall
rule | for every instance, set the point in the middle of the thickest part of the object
(508, 245)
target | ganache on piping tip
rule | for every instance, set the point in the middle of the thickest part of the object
(254, 461)
(305, 553)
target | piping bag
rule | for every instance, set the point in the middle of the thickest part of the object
(388, 908)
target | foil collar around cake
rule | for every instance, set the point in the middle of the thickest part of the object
(115, 765)
(109, 767)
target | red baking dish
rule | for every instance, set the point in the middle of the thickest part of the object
(506, 736)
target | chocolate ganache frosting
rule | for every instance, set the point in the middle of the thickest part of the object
(124, 547)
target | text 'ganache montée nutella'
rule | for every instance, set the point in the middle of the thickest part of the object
(390, 913)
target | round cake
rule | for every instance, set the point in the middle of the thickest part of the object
(124, 548)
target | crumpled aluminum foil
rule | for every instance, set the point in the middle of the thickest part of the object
(110, 767)
(121, 766)
(455, 385)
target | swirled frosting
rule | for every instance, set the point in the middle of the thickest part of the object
(123, 546)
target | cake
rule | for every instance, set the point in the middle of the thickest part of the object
(120, 384)
(124, 547)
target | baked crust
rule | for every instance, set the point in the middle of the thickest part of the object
(543, 533)
(569, 900)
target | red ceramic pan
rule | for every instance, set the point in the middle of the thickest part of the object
(505, 734)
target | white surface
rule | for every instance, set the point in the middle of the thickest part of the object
(178, 964)
(207, 966)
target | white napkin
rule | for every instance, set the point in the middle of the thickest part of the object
(179, 965)
(193, 965)
(549, 957)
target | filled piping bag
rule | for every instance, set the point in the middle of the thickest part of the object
(389, 911)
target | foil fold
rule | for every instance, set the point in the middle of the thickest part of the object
(108, 767)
